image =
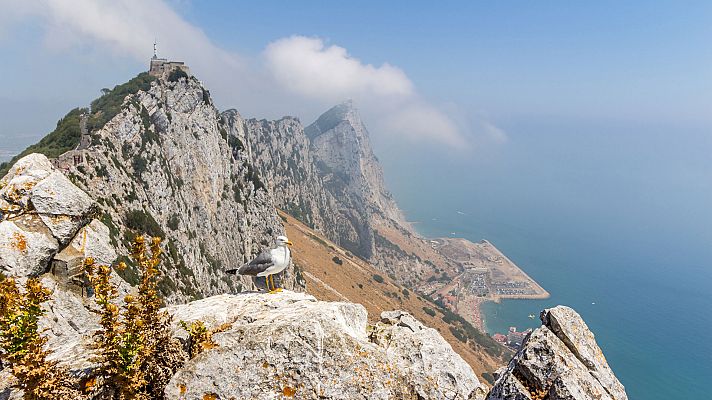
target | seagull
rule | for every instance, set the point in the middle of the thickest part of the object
(268, 262)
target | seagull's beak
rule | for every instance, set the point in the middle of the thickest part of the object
(289, 242)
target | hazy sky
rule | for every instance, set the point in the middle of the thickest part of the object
(443, 75)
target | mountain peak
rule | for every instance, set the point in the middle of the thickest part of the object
(342, 112)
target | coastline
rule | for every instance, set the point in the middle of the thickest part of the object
(487, 275)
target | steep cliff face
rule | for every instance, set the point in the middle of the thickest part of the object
(341, 145)
(166, 165)
(326, 175)
(351, 172)
(280, 152)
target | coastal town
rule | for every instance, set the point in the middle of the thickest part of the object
(487, 275)
(513, 338)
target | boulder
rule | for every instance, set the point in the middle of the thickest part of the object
(290, 345)
(69, 324)
(15, 187)
(91, 241)
(435, 368)
(26, 246)
(63, 207)
(559, 360)
(41, 212)
(568, 326)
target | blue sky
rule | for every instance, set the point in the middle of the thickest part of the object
(452, 71)
(523, 57)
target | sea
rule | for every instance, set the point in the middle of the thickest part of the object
(613, 219)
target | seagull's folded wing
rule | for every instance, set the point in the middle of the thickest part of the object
(259, 264)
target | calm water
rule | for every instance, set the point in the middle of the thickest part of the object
(614, 220)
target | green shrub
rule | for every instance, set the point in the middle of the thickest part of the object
(142, 222)
(107, 106)
(255, 178)
(458, 334)
(101, 171)
(176, 74)
(429, 311)
(67, 134)
(235, 143)
(378, 278)
(173, 222)
(113, 230)
(139, 164)
(337, 260)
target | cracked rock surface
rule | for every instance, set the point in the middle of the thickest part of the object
(558, 361)
(289, 344)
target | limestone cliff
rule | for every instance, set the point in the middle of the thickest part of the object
(165, 164)
(281, 154)
(349, 169)
(326, 175)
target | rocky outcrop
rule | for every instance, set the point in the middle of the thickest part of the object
(47, 230)
(436, 370)
(61, 205)
(42, 212)
(290, 345)
(167, 165)
(558, 361)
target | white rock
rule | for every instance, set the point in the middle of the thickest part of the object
(92, 241)
(573, 331)
(35, 165)
(15, 187)
(437, 371)
(26, 246)
(558, 361)
(62, 206)
(291, 345)
(69, 325)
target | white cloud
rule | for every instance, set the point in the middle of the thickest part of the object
(125, 26)
(308, 67)
(297, 74)
(494, 133)
(416, 121)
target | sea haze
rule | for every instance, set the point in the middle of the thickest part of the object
(613, 219)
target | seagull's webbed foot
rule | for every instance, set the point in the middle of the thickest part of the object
(275, 289)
